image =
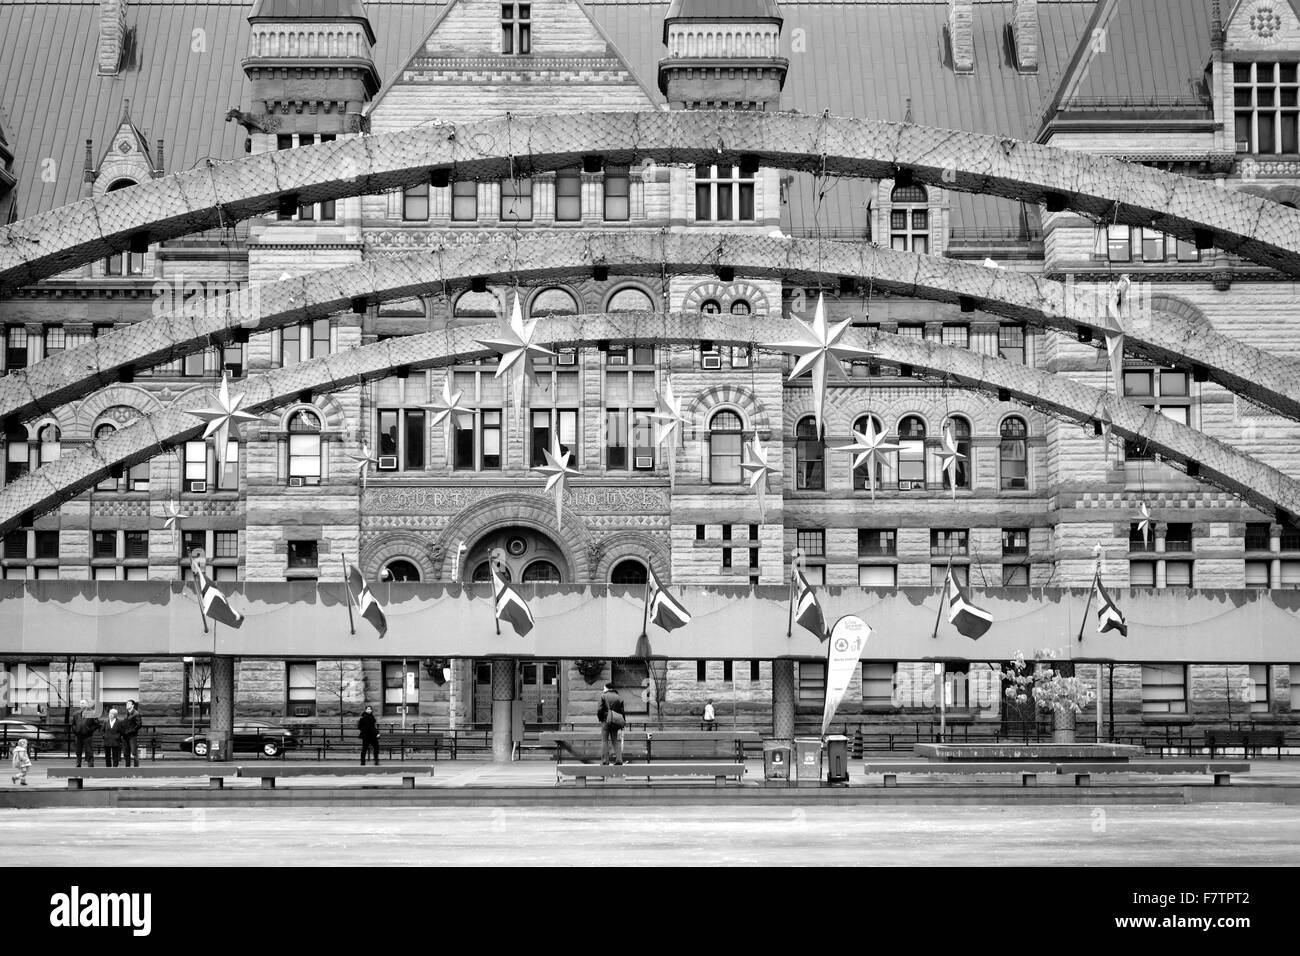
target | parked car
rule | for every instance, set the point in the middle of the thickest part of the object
(14, 728)
(258, 736)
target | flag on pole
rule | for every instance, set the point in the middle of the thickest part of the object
(212, 601)
(364, 601)
(510, 607)
(969, 620)
(807, 609)
(664, 609)
(1109, 616)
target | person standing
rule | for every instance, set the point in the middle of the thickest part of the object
(710, 718)
(22, 761)
(132, 723)
(84, 729)
(112, 739)
(369, 728)
(612, 721)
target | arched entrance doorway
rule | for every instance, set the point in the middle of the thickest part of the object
(531, 558)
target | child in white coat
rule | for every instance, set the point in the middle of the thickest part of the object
(22, 762)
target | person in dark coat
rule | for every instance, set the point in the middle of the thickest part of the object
(113, 728)
(84, 728)
(132, 723)
(369, 728)
(612, 721)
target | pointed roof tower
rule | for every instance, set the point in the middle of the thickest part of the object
(723, 53)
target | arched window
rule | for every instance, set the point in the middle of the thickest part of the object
(304, 448)
(961, 432)
(909, 219)
(17, 454)
(553, 302)
(477, 305)
(50, 448)
(630, 300)
(711, 307)
(883, 461)
(629, 572)
(809, 456)
(911, 453)
(400, 570)
(1013, 454)
(123, 263)
(741, 307)
(483, 574)
(102, 431)
(725, 448)
(541, 572)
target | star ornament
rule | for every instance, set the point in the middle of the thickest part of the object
(819, 351)
(668, 411)
(1115, 328)
(221, 419)
(871, 447)
(950, 456)
(174, 516)
(558, 471)
(758, 469)
(446, 410)
(516, 346)
(1144, 524)
(364, 461)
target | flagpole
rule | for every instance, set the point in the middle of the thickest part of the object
(789, 624)
(492, 573)
(1096, 576)
(942, 597)
(347, 588)
(942, 682)
(1099, 703)
(645, 609)
(198, 592)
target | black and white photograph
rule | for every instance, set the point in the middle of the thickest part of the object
(619, 435)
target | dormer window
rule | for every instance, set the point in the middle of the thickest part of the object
(1266, 101)
(516, 29)
(909, 219)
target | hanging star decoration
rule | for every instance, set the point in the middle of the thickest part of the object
(223, 417)
(1115, 330)
(758, 469)
(1144, 525)
(871, 449)
(950, 456)
(1106, 423)
(820, 351)
(174, 516)
(557, 471)
(447, 410)
(364, 461)
(669, 418)
(516, 347)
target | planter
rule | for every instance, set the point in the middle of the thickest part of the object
(1062, 726)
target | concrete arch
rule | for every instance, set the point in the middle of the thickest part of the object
(704, 405)
(1166, 304)
(217, 193)
(401, 544)
(1216, 463)
(622, 545)
(1266, 379)
(516, 507)
(132, 396)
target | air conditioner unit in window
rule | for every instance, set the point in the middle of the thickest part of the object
(740, 360)
(566, 357)
(1020, 483)
(302, 711)
(710, 360)
(388, 463)
(295, 482)
(645, 462)
(198, 487)
(911, 485)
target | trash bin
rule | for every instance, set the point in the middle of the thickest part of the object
(776, 760)
(808, 758)
(837, 759)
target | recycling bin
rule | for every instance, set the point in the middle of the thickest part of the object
(808, 759)
(776, 760)
(837, 759)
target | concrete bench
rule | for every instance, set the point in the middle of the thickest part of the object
(1028, 771)
(1222, 771)
(75, 775)
(732, 741)
(1245, 739)
(718, 771)
(269, 774)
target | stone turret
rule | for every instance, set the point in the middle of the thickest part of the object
(723, 54)
(311, 65)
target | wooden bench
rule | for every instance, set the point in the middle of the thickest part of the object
(268, 774)
(75, 775)
(1246, 740)
(1028, 771)
(1222, 770)
(718, 771)
(733, 741)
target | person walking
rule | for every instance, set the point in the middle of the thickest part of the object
(84, 729)
(369, 728)
(710, 718)
(132, 723)
(22, 761)
(113, 739)
(612, 721)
